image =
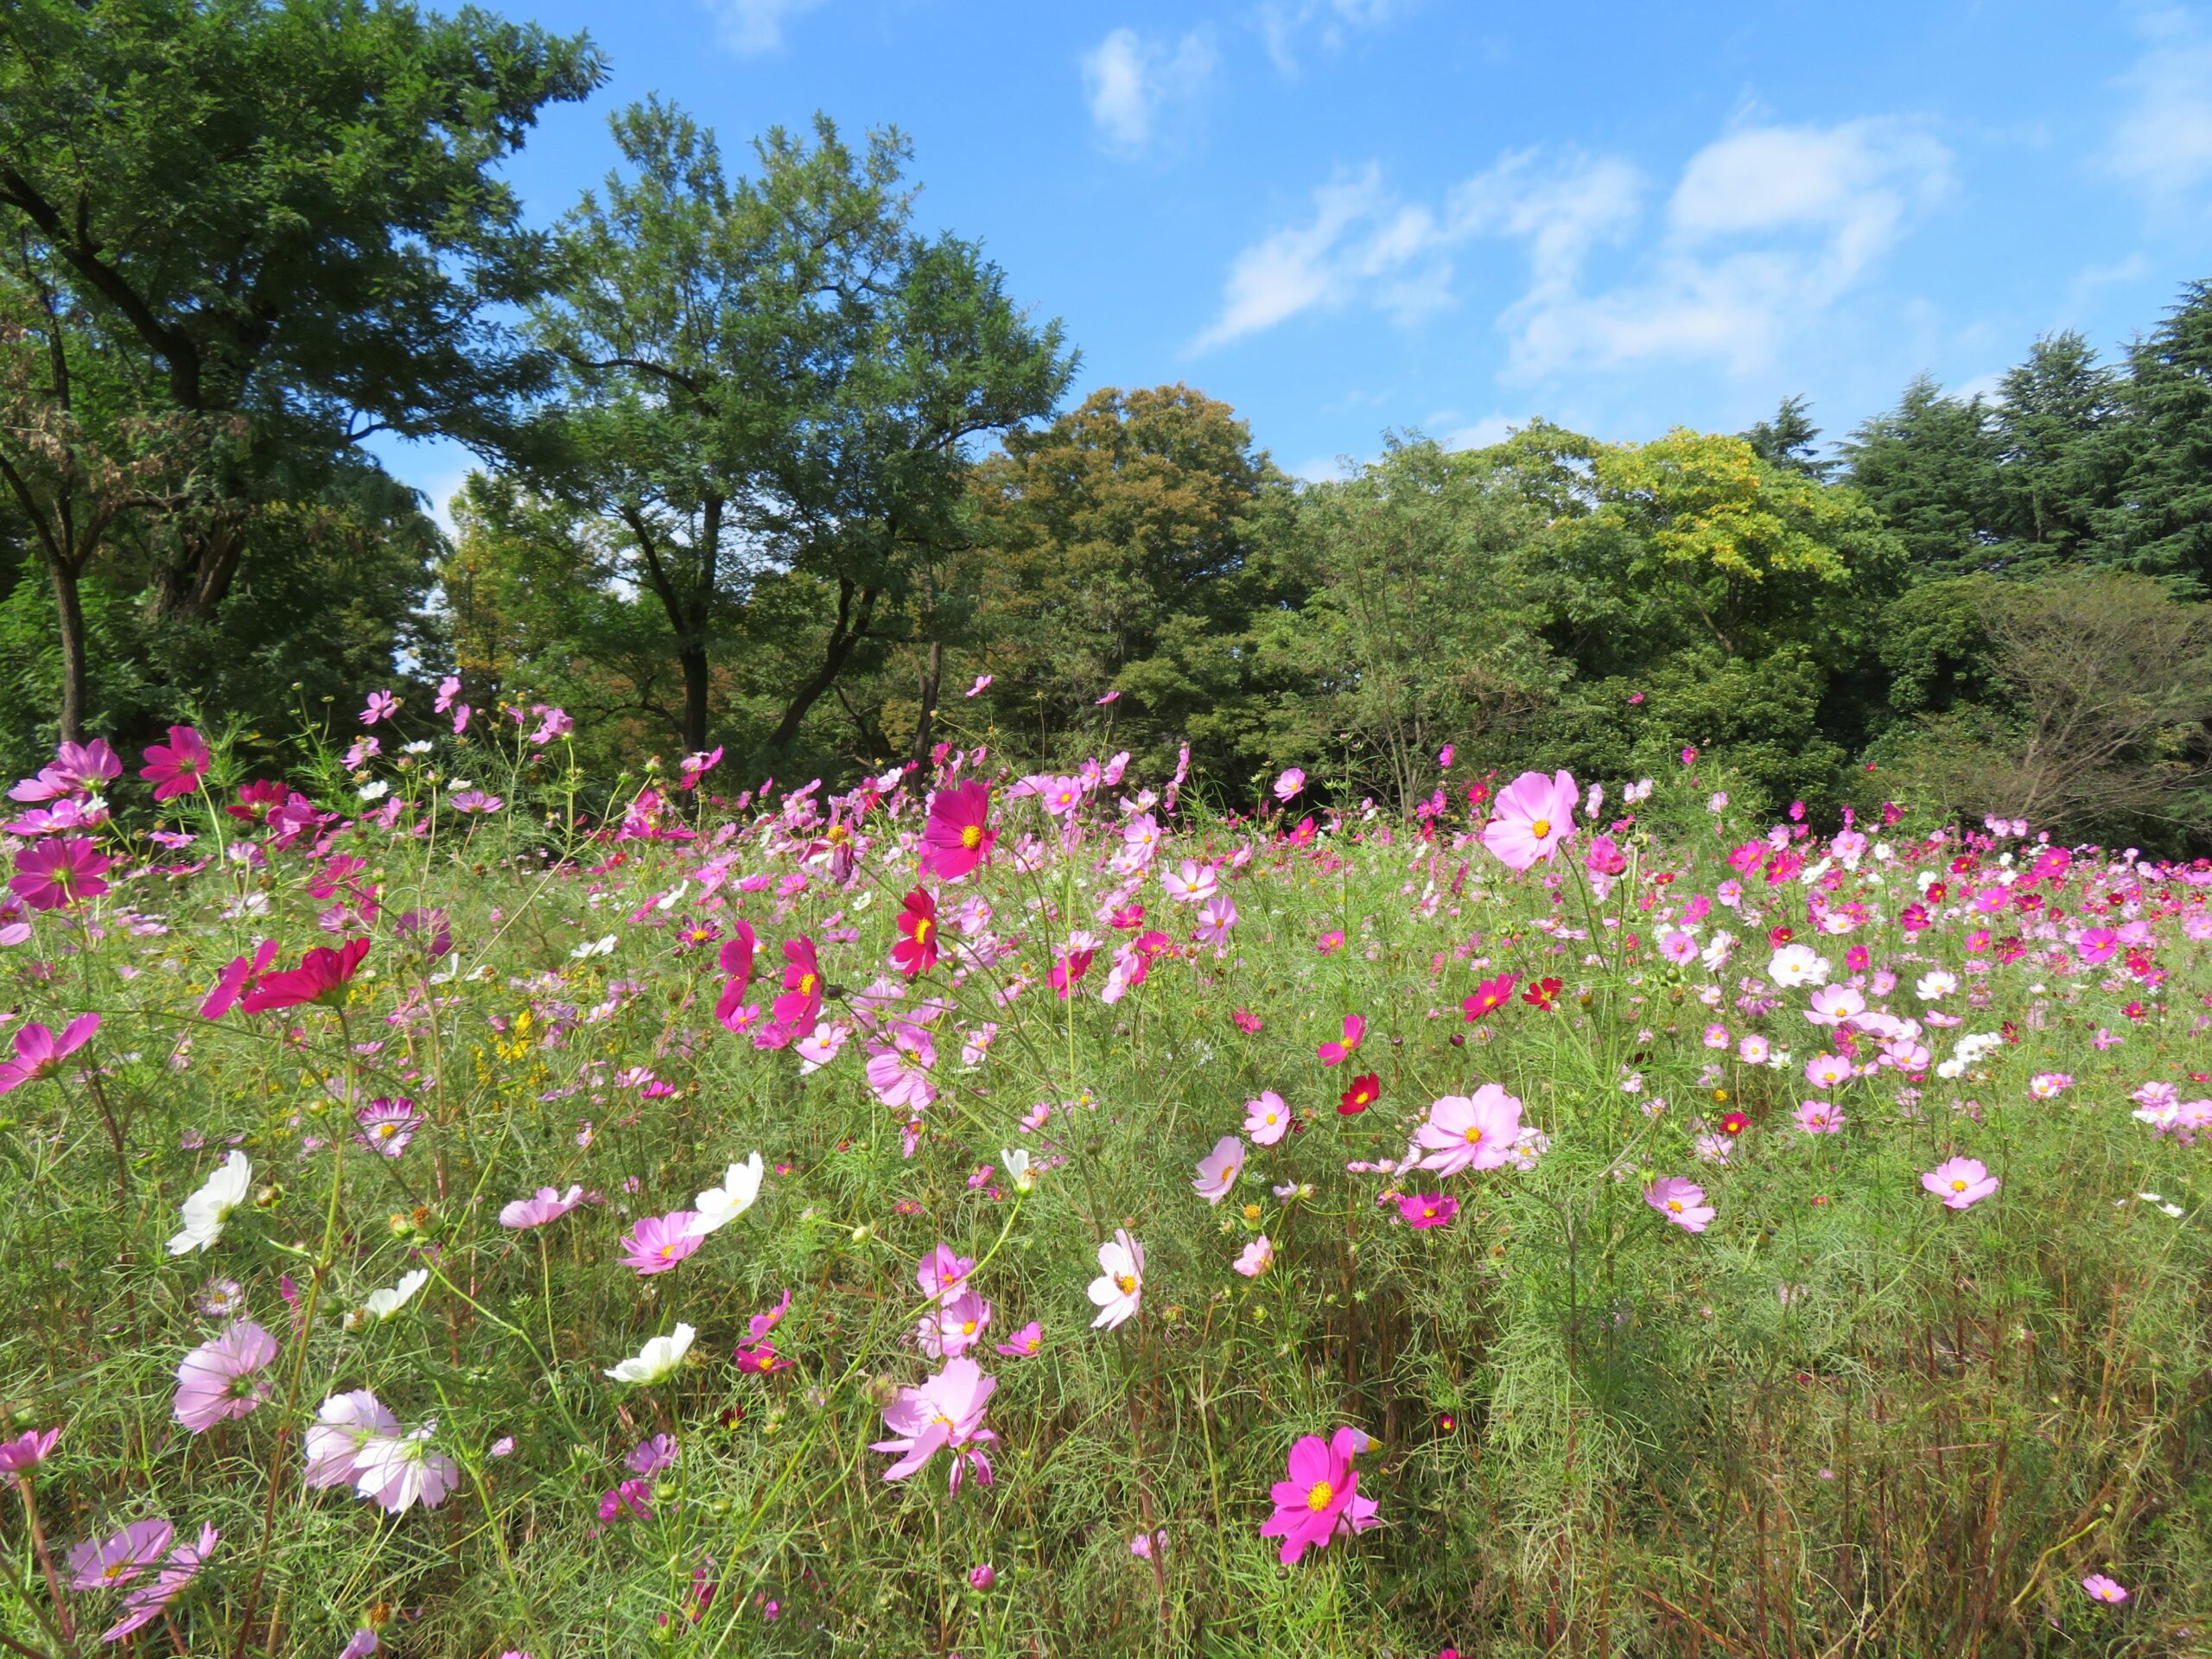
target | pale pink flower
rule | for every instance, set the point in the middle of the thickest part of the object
(1119, 1287)
(1470, 1132)
(1962, 1182)
(1681, 1201)
(1266, 1120)
(220, 1379)
(1219, 1169)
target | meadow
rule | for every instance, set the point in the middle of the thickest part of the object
(988, 1213)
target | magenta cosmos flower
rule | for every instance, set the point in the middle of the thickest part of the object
(1470, 1131)
(321, 976)
(658, 1242)
(1428, 1208)
(387, 1125)
(220, 1379)
(27, 1452)
(1681, 1201)
(104, 1563)
(958, 835)
(1321, 1497)
(546, 1205)
(1962, 1182)
(946, 1412)
(1534, 814)
(800, 1005)
(57, 872)
(38, 1052)
(231, 983)
(176, 767)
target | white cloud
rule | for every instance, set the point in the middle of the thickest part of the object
(1766, 228)
(749, 28)
(1480, 435)
(1127, 79)
(2163, 142)
(1286, 25)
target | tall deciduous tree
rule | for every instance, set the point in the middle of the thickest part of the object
(282, 237)
(772, 375)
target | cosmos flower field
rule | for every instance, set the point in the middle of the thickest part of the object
(997, 1212)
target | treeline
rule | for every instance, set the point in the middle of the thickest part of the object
(767, 467)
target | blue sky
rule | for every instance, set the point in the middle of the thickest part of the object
(1343, 216)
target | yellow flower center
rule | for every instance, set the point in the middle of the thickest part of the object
(806, 984)
(971, 837)
(1674, 1206)
(1540, 827)
(1958, 1186)
(968, 1329)
(1474, 1137)
(1321, 1495)
(1128, 1282)
(839, 834)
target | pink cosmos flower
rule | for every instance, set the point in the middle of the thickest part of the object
(1818, 1117)
(387, 1125)
(343, 1425)
(657, 1243)
(382, 705)
(475, 800)
(57, 872)
(26, 1451)
(1023, 1343)
(1219, 1169)
(1256, 1258)
(1266, 1120)
(1336, 1053)
(951, 1329)
(899, 1069)
(322, 976)
(758, 1355)
(1119, 1287)
(1534, 814)
(2101, 1588)
(943, 1274)
(220, 1379)
(651, 1456)
(396, 1473)
(38, 1052)
(945, 1412)
(1216, 918)
(1470, 1132)
(983, 684)
(1681, 1201)
(1321, 1497)
(547, 1205)
(147, 1603)
(735, 959)
(958, 835)
(1827, 1070)
(1962, 1182)
(107, 1563)
(1289, 783)
(175, 767)
(1428, 1208)
(1678, 947)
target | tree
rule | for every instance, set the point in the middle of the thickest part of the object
(1124, 556)
(284, 237)
(2059, 462)
(768, 376)
(1790, 440)
(1929, 470)
(2161, 525)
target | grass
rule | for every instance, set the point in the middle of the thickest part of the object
(1844, 1420)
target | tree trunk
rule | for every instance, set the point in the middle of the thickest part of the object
(844, 635)
(693, 659)
(925, 718)
(69, 612)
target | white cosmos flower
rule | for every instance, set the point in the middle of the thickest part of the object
(383, 1304)
(720, 1205)
(658, 1359)
(599, 947)
(1797, 964)
(374, 792)
(1120, 1285)
(1016, 1161)
(206, 1210)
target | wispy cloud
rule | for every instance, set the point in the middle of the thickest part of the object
(2162, 143)
(1128, 80)
(749, 28)
(1765, 229)
(1287, 26)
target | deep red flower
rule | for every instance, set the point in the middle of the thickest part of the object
(1364, 1093)
(321, 976)
(1734, 1124)
(916, 951)
(1541, 993)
